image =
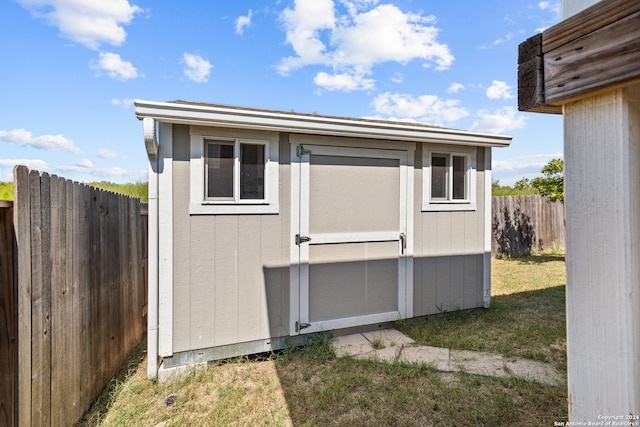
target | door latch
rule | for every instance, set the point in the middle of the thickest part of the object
(403, 242)
(301, 151)
(302, 239)
(300, 326)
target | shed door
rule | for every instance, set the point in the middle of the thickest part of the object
(352, 237)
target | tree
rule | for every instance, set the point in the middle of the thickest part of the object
(523, 184)
(551, 184)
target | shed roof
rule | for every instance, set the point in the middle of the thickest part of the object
(205, 114)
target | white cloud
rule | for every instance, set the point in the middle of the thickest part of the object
(529, 163)
(498, 121)
(397, 78)
(85, 163)
(105, 153)
(353, 6)
(243, 21)
(353, 43)
(455, 87)
(43, 142)
(555, 8)
(33, 164)
(388, 34)
(88, 22)
(499, 90)
(96, 173)
(124, 103)
(115, 67)
(345, 82)
(500, 41)
(196, 68)
(426, 108)
(302, 25)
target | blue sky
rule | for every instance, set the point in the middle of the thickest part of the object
(71, 69)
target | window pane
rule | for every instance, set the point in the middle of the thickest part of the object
(252, 171)
(459, 169)
(219, 169)
(438, 177)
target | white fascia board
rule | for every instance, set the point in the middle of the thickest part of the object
(319, 125)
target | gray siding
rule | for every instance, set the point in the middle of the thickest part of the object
(448, 251)
(231, 274)
(230, 283)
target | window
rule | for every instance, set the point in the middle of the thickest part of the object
(233, 175)
(449, 179)
(235, 170)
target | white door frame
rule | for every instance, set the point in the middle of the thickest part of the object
(299, 272)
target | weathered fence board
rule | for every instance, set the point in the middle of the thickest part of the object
(525, 224)
(81, 296)
(22, 221)
(8, 326)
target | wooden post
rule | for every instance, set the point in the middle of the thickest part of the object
(602, 196)
(590, 69)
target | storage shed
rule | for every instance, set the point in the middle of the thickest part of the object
(266, 226)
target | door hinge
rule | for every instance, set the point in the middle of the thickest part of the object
(301, 151)
(302, 239)
(300, 326)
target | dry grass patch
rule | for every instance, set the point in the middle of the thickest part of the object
(236, 393)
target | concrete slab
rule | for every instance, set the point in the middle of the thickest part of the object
(389, 337)
(388, 354)
(533, 370)
(351, 345)
(169, 375)
(399, 347)
(478, 363)
(434, 356)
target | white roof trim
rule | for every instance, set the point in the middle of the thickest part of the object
(215, 115)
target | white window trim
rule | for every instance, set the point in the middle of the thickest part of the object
(199, 205)
(469, 203)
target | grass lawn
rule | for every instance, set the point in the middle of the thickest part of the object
(310, 386)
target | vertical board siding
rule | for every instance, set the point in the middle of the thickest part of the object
(78, 304)
(231, 272)
(525, 224)
(448, 251)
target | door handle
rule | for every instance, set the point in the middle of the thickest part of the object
(403, 242)
(302, 239)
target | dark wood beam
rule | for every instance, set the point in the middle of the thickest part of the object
(597, 49)
(531, 95)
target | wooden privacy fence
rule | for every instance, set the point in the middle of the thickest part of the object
(76, 306)
(524, 224)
